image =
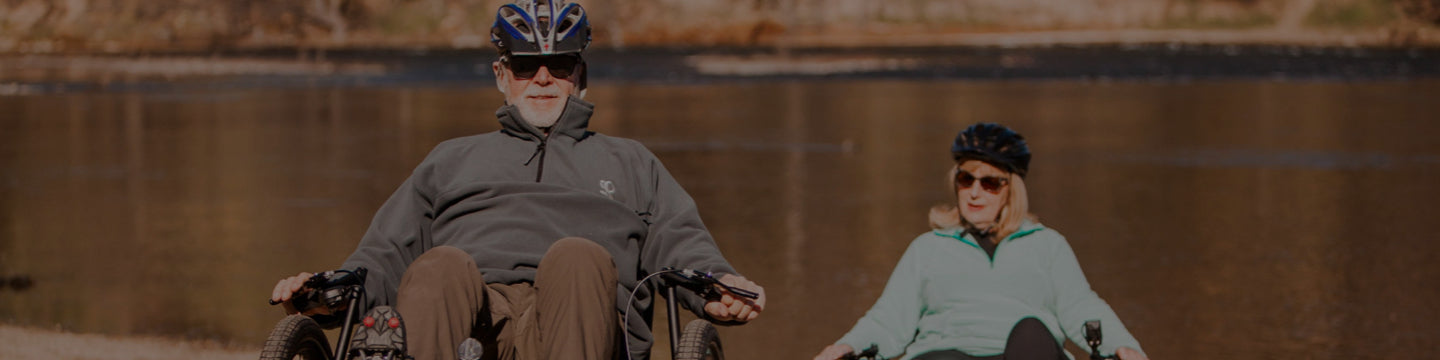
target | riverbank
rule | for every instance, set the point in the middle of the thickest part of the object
(119, 27)
(1271, 37)
(21, 343)
(982, 58)
(1417, 37)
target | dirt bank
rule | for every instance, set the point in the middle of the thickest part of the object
(18, 343)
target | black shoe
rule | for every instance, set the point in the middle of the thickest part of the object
(470, 349)
(379, 336)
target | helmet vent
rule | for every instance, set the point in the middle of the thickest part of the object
(543, 10)
(516, 20)
(573, 15)
(544, 23)
(523, 27)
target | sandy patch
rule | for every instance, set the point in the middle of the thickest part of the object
(17, 343)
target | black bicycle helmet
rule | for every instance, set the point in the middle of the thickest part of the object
(994, 144)
(540, 27)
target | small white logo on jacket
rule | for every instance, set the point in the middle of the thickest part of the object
(607, 188)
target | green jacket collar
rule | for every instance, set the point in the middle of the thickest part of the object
(958, 233)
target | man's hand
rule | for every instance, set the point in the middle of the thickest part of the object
(1126, 353)
(731, 307)
(833, 352)
(287, 288)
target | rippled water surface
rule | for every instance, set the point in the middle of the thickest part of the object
(1221, 219)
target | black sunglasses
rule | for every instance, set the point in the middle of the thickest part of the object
(991, 184)
(560, 66)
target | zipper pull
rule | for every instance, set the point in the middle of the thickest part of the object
(539, 149)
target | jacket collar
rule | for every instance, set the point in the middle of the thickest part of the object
(573, 121)
(958, 233)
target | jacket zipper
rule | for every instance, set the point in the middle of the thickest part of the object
(539, 151)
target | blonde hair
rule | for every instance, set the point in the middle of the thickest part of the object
(1015, 212)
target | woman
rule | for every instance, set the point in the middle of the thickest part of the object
(989, 282)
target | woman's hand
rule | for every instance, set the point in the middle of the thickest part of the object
(834, 352)
(731, 307)
(1126, 353)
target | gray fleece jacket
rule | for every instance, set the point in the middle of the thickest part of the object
(506, 196)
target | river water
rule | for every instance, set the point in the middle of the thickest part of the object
(1226, 218)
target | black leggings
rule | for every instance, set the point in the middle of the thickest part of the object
(1029, 340)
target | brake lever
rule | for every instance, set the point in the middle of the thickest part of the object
(738, 291)
(708, 278)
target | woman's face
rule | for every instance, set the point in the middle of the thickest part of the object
(983, 190)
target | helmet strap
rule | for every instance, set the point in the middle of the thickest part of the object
(583, 81)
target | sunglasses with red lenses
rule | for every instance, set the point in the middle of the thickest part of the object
(991, 184)
(526, 67)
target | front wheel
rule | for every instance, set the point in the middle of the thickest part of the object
(297, 337)
(699, 341)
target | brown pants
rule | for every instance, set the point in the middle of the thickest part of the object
(568, 313)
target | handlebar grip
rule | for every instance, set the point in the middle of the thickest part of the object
(322, 281)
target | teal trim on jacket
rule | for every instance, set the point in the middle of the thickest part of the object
(946, 293)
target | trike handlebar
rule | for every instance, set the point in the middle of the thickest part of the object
(1093, 337)
(326, 288)
(871, 352)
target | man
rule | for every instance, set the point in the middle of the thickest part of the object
(530, 239)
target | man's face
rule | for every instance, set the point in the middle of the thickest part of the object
(538, 85)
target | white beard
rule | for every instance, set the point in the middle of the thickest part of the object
(540, 118)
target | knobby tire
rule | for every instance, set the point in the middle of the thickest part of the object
(699, 341)
(297, 337)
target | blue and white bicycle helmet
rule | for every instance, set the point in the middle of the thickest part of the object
(540, 27)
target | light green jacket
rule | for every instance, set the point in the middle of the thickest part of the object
(946, 293)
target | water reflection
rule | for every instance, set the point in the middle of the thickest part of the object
(1220, 219)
